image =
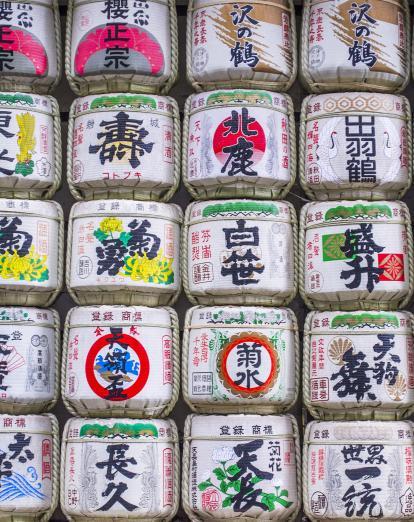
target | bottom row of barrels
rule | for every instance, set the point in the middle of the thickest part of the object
(233, 466)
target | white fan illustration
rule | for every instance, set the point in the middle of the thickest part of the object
(328, 149)
(392, 148)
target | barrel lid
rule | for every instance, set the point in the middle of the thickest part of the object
(41, 424)
(360, 320)
(339, 212)
(125, 207)
(125, 101)
(44, 209)
(277, 3)
(344, 432)
(243, 316)
(114, 430)
(26, 101)
(239, 97)
(217, 210)
(26, 316)
(358, 102)
(118, 315)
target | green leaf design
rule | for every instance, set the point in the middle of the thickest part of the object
(268, 500)
(236, 485)
(219, 473)
(124, 237)
(255, 480)
(227, 501)
(100, 235)
(224, 486)
(284, 493)
(233, 470)
(204, 485)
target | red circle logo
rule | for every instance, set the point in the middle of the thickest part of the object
(117, 367)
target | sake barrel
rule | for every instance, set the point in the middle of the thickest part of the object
(239, 143)
(359, 365)
(114, 47)
(115, 468)
(351, 46)
(124, 145)
(240, 252)
(31, 46)
(240, 359)
(121, 361)
(124, 252)
(241, 45)
(31, 252)
(241, 466)
(356, 255)
(30, 472)
(355, 145)
(358, 470)
(29, 359)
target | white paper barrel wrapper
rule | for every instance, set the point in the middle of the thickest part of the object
(121, 361)
(124, 252)
(355, 145)
(240, 359)
(119, 468)
(240, 251)
(358, 470)
(31, 252)
(355, 47)
(237, 466)
(31, 46)
(239, 143)
(356, 254)
(29, 359)
(232, 45)
(113, 48)
(30, 459)
(124, 145)
(359, 365)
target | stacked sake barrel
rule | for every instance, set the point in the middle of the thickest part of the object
(31, 258)
(356, 261)
(240, 353)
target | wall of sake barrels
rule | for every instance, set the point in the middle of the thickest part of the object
(296, 196)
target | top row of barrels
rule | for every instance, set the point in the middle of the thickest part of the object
(132, 45)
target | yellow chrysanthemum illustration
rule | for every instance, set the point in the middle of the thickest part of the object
(157, 270)
(110, 225)
(31, 267)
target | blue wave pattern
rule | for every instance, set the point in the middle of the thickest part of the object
(17, 486)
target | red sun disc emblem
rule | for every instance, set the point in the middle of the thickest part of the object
(226, 366)
(223, 139)
(140, 379)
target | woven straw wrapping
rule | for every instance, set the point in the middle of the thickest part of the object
(176, 480)
(119, 83)
(352, 190)
(376, 495)
(239, 188)
(122, 191)
(122, 409)
(241, 298)
(362, 303)
(258, 405)
(34, 84)
(124, 294)
(312, 86)
(21, 408)
(23, 297)
(227, 83)
(185, 479)
(374, 412)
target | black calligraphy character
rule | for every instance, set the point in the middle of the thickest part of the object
(375, 454)
(141, 241)
(6, 11)
(6, 55)
(4, 367)
(5, 118)
(242, 235)
(239, 156)
(360, 11)
(241, 14)
(140, 16)
(122, 136)
(367, 501)
(249, 356)
(353, 378)
(244, 54)
(247, 454)
(14, 240)
(116, 9)
(5, 465)
(25, 19)
(117, 461)
(242, 267)
(362, 54)
(117, 490)
(114, 365)
(239, 123)
(246, 497)
(117, 55)
(110, 256)
(18, 446)
(384, 346)
(352, 452)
